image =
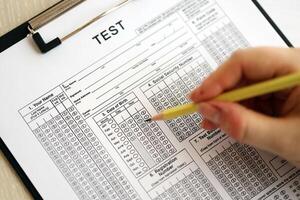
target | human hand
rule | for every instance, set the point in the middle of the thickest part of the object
(270, 122)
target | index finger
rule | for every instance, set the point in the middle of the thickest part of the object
(252, 64)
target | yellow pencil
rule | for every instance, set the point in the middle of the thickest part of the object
(240, 94)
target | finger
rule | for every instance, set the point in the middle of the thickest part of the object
(296, 163)
(248, 127)
(253, 64)
(208, 125)
(292, 103)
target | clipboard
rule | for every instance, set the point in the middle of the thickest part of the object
(31, 28)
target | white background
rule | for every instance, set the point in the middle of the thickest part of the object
(286, 14)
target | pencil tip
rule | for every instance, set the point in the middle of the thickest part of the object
(148, 120)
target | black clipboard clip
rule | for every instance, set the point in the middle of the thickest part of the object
(30, 27)
(53, 12)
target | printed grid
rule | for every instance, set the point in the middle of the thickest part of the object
(241, 171)
(223, 42)
(194, 185)
(141, 144)
(80, 156)
(174, 94)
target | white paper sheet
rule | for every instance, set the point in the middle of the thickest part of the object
(74, 117)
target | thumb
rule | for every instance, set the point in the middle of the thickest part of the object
(246, 126)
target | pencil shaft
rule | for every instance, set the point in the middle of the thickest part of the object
(241, 94)
(179, 111)
(259, 89)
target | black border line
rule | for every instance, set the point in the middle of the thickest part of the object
(12, 38)
(273, 24)
(18, 169)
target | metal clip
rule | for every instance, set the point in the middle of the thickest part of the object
(55, 11)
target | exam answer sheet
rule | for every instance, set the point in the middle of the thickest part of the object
(74, 117)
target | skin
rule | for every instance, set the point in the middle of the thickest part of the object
(271, 122)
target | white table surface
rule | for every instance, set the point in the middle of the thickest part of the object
(286, 14)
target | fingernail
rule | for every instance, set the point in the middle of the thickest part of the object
(211, 113)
